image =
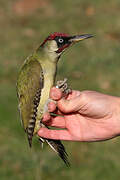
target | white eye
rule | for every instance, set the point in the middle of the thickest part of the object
(60, 40)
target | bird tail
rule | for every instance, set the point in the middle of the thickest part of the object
(58, 147)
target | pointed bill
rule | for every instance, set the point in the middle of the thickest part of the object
(78, 38)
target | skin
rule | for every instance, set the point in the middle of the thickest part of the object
(86, 116)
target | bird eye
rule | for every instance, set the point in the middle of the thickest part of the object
(60, 40)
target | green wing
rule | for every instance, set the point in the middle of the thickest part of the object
(30, 81)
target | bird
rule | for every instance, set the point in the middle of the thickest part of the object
(36, 77)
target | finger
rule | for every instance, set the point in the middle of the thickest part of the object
(55, 93)
(51, 106)
(58, 122)
(73, 94)
(55, 134)
(68, 106)
(46, 117)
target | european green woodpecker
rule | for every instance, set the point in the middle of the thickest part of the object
(35, 79)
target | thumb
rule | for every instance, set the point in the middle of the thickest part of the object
(69, 106)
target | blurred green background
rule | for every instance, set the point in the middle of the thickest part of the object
(93, 64)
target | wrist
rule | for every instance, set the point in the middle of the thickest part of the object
(116, 115)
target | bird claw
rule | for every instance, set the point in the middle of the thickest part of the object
(62, 84)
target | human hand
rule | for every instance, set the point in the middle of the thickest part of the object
(86, 116)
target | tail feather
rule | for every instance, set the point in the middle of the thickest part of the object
(58, 147)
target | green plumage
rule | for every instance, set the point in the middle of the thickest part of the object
(29, 81)
(35, 79)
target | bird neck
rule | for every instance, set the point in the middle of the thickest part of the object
(47, 61)
(48, 53)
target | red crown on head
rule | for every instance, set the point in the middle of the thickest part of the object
(55, 34)
(52, 36)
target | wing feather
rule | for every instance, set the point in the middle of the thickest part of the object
(29, 82)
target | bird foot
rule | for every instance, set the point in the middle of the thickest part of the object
(62, 84)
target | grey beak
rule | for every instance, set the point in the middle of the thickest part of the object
(78, 38)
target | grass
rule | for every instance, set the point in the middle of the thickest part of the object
(96, 67)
